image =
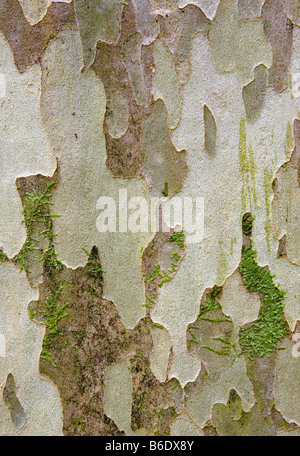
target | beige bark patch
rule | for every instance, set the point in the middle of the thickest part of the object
(35, 10)
(133, 64)
(287, 379)
(240, 305)
(208, 8)
(161, 162)
(146, 21)
(117, 114)
(183, 426)
(294, 76)
(25, 146)
(159, 358)
(76, 131)
(210, 128)
(250, 424)
(207, 263)
(292, 8)
(28, 42)
(178, 27)
(165, 83)
(261, 372)
(286, 211)
(287, 275)
(201, 402)
(250, 8)
(161, 256)
(238, 45)
(118, 395)
(295, 157)
(254, 93)
(98, 21)
(23, 339)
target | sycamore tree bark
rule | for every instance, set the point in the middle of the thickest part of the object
(149, 228)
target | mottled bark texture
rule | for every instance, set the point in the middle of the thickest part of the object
(138, 332)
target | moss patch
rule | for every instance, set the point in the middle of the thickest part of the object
(210, 303)
(161, 261)
(178, 238)
(3, 256)
(93, 263)
(38, 220)
(247, 224)
(261, 337)
(52, 313)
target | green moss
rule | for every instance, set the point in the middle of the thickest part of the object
(252, 169)
(193, 338)
(178, 238)
(224, 352)
(165, 278)
(247, 224)
(52, 314)
(215, 320)
(243, 158)
(291, 86)
(176, 384)
(150, 299)
(91, 290)
(160, 276)
(247, 169)
(49, 257)
(32, 313)
(289, 141)
(176, 256)
(267, 189)
(3, 256)
(79, 336)
(95, 269)
(155, 273)
(211, 304)
(222, 265)
(36, 211)
(165, 191)
(150, 252)
(232, 242)
(261, 337)
(158, 272)
(226, 348)
(157, 325)
(78, 424)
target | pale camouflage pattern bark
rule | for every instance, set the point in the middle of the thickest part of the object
(161, 98)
